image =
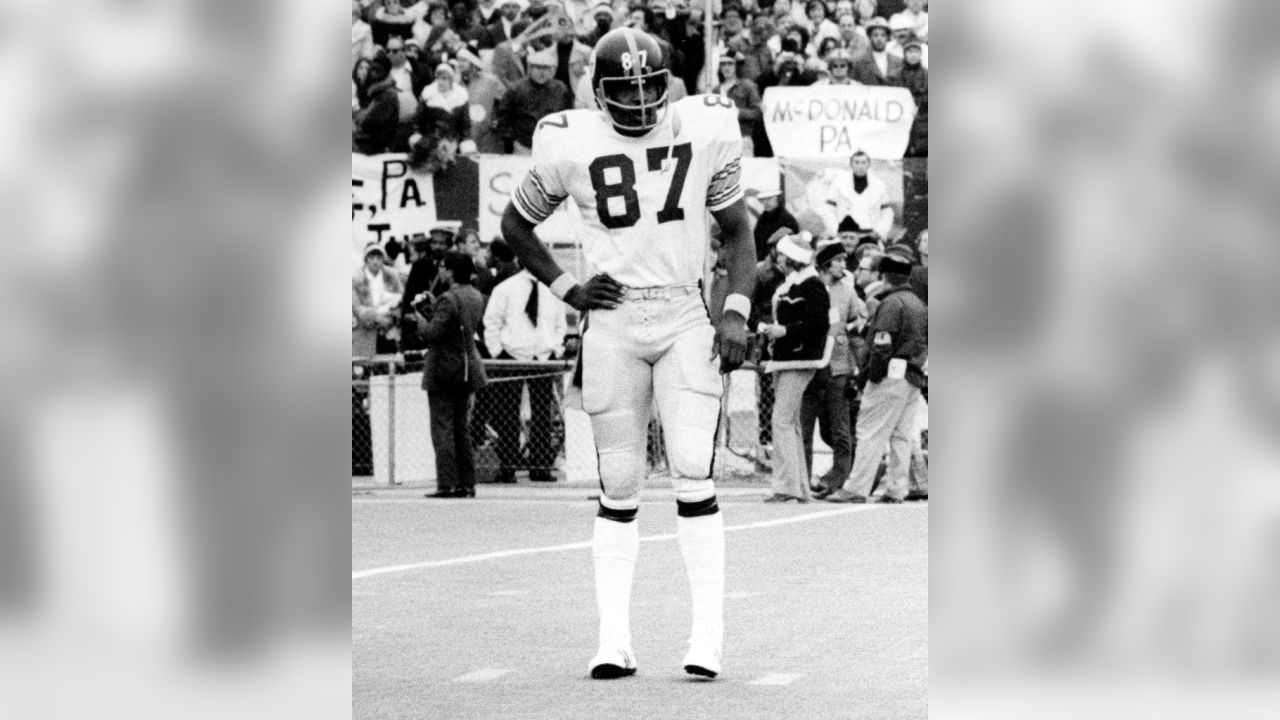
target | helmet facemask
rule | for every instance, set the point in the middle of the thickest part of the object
(624, 99)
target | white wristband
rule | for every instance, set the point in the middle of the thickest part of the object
(563, 284)
(738, 303)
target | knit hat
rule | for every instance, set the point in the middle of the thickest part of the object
(501, 251)
(374, 248)
(828, 251)
(546, 57)
(791, 247)
(778, 235)
(848, 225)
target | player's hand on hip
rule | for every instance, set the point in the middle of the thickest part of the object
(730, 342)
(601, 292)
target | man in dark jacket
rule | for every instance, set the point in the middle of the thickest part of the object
(877, 66)
(530, 100)
(773, 217)
(453, 373)
(375, 124)
(899, 334)
(915, 77)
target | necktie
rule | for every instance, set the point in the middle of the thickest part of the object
(531, 307)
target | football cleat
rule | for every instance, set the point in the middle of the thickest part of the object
(703, 657)
(612, 662)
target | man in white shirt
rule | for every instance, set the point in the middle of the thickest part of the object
(864, 198)
(524, 321)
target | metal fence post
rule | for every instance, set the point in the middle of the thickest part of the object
(391, 421)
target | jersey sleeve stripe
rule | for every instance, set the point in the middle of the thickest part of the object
(533, 201)
(725, 187)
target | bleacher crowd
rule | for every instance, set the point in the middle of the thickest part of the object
(433, 79)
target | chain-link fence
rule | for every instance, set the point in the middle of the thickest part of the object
(521, 427)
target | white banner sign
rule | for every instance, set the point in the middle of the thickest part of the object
(388, 200)
(818, 121)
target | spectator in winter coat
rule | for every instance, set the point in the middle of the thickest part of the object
(878, 67)
(530, 100)
(773, 217)
(826, 400)
(798, 335)
(483, 91)
(379, 116)
(915, 77)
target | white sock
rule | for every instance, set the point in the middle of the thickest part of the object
(614, 546)
(702, 545)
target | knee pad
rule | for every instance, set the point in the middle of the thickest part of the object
(623, 511)
(695, 498)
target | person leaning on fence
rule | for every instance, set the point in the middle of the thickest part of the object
(799, 347)
(826, 400)
(894, 376)
(524, 321)
(453, 373)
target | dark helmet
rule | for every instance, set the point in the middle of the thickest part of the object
(628, 68)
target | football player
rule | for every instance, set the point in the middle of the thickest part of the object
(646, 173)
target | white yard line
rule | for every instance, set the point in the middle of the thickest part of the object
(482, 675)
(805, 517)
(777, 679)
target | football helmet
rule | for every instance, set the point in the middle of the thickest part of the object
(629, 77)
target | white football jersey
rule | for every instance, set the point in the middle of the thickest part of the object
(644, 200)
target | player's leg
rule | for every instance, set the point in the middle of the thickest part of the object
(616, 392)
(688, 386)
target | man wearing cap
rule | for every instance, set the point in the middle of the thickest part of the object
(504, 27)
(530, 100)
(375, 292)
(422, 272)
(798, 335)
(453, 374)
(773, 217)
(899, 335)
(826, 400)
(602, 21)
(877, 67)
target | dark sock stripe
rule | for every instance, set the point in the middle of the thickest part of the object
(622, 516)
(697, 509)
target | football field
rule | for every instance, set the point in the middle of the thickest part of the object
(485, 608)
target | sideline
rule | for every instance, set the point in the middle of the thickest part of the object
(805, 517)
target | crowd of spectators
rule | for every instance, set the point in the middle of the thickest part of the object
(430, 78)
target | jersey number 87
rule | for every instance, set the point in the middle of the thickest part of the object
(625, 188)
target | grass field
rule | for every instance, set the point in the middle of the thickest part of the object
(826, 614)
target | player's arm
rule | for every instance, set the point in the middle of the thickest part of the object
(737, 246)
(600, 291)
